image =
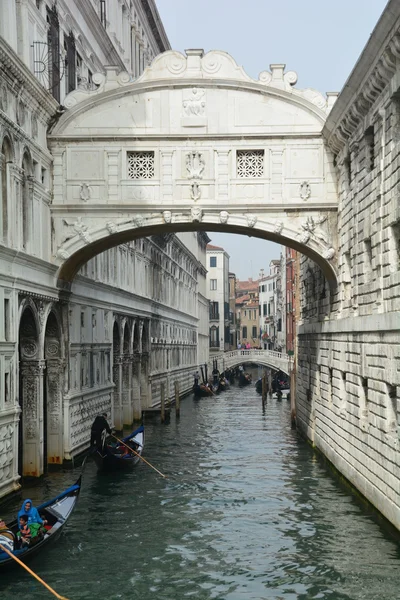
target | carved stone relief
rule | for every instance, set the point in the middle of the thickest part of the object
(78, 228)
(305, 190)
(195, 165)
(167, 216)
(278, 227)
(194, 104)
(21, 113)
(34, 126)
(196, 214)
(223, 216)
(85, 192)
(195, 191)
(3, 98)
(251, 220)
(111, 227)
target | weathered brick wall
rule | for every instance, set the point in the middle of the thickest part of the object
(348, 381)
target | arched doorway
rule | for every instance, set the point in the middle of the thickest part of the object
(31, 369)
(52, 393)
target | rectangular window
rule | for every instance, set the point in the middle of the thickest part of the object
(213, 261)
(244, 333)
(103, 13)
(254, 332)
(264, 310)
(214, 310)
(140, 165)
(213, 284)
(250, 163)
(70, 63)
(7, 319)
(53, 42)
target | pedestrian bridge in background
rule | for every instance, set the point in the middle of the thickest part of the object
(268, 358)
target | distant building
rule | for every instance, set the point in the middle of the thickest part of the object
(218, 295)
(233, 332)
(291, 282)
(247, 312)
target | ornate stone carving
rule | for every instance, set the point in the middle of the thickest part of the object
(310, 230)
(195, 192)
(329, 254)
(21, 113)
(196, 214)
(85, 192)
(278, 227)
(80, 229)
(138, 221)
(29, 348)
(194, 105)
(305, 190)
(3, 98)
(111, 227)
(250, 163)
(195, 164)
(34, 126)
(223, 216)
(251, 220)
(167, 216)
(63, 254)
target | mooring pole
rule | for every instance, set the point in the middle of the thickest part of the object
(264, 389)
(162, 402)
(177, 400)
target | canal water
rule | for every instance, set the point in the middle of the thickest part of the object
(247, 512)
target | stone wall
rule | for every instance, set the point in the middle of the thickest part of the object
(348, 392)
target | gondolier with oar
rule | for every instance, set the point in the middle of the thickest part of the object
(99, 430)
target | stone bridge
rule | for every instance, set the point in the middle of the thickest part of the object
(267, 358)
(193, 144)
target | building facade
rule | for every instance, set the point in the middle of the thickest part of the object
(218, 294)
(137, 316)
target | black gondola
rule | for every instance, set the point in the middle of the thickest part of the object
(201, 390)
(56, 512)
(244, 378)
(117, 456)
(259, 383)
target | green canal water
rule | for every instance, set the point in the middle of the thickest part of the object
(247, 513)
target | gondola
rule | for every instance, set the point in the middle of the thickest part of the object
(200, 391)
(56, 512)
(259, 383)
(110, 456)
(244, 379)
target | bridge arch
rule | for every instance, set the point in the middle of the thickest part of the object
(193, 144)
(267, 358)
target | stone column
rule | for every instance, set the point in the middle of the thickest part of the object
(31, 372)
(54, 407)
(144, 379)
(127, 408)
(136, 398)
(117, 403)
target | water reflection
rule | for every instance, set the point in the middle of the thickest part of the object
(246, 513)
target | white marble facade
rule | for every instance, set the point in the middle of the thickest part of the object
(137, 311)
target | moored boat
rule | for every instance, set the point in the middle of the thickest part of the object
(201, 390)
(244, 378)
(110, 456)
(56, 512)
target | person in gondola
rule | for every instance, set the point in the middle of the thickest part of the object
(7, 537)
(99, 425)
(31, 512)
(24, 530)
(196, 376)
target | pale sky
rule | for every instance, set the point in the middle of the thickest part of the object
(320, 40)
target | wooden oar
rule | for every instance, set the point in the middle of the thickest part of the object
(33, 574)
(137, 454)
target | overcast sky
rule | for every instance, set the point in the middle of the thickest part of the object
(320, 40)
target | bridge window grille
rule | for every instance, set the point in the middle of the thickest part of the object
(140, 165)
(250, 163)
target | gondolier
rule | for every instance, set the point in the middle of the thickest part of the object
(99, 425)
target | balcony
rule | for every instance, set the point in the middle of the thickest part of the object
(214, 344)
(214, 316)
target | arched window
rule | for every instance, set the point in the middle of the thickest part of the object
(5, 159)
